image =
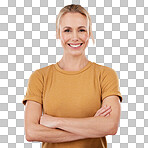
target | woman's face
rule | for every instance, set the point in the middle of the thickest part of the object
(74, 33)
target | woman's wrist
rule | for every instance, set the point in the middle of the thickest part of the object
(58, 122)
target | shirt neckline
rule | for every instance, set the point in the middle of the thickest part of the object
(72, 72)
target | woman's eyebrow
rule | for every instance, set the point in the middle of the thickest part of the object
(81, 27)
(78, 27)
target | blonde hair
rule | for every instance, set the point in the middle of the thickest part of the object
(73, 9)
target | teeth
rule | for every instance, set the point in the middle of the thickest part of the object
(75, 45)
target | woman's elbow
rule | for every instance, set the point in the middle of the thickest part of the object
(29, 133)
(114, 129)
(28, 138)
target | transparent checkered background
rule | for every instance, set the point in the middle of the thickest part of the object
(28, 42)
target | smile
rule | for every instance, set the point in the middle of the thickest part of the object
(75, 45)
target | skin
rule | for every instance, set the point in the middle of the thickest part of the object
(52, 122)
(73, 60)
(103, 111)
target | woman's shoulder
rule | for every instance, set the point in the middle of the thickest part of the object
(44, 70)
(103, 69)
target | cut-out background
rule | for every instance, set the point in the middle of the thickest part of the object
(28, 42)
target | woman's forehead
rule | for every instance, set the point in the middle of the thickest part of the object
(76, 26)
(72, 14)
(73, 19)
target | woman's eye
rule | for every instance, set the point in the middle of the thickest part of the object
(82, 30)
(67, 30)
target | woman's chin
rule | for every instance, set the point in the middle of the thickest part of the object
(76, 53)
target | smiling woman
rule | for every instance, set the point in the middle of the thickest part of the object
(73, 39)
(79, 98)
(74, 28)
(74, 9)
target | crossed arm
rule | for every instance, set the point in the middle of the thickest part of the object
(44, 128)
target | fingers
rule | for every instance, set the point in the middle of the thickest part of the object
(103, 111)
(107, 115)
(106, 112)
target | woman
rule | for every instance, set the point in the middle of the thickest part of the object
(79, 98)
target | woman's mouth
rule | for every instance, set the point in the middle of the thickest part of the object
(75, 46)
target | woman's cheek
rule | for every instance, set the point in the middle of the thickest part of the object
(65, 38)
(85, 37)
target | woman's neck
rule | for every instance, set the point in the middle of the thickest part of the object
(71, 65)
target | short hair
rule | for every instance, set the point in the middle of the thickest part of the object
(73, 8)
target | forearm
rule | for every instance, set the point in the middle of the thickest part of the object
(41, 133)
(91, 127)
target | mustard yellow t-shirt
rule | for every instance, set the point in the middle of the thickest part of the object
(73, 94)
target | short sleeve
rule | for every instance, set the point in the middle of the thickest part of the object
(109, 83)
(34, 88)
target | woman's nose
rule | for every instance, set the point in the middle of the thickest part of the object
(74, 35)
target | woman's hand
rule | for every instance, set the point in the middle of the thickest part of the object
(49, 121)
(52, 122)
(103, 111)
